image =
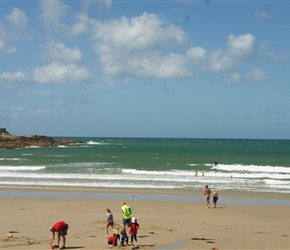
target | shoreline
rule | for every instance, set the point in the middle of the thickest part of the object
(168, 219)
(233, 197)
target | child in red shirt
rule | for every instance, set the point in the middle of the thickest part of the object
(133, 230)
(113, 240)
(61, 229)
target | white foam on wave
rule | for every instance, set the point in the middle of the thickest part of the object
(80, 184)
(252, 168)
(248, 175)
(21, 168)
(96, 143)
(11, 159)
(99, 175)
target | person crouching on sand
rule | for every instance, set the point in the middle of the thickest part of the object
(113, 240)
(123, 237)
(61, 228)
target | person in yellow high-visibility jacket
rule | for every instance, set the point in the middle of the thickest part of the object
(127, 211)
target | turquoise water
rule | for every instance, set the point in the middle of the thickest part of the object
(252, 165)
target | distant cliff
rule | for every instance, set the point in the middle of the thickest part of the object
(14, 141)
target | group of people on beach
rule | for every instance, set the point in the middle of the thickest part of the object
(131, 224)
(207, 193)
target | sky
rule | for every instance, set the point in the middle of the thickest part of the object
(166, 69)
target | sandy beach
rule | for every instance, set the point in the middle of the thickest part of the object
(175, 222)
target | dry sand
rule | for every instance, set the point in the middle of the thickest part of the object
(164, 224)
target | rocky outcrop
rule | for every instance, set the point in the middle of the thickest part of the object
(14, 141)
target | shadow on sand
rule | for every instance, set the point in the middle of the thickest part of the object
(74, 247)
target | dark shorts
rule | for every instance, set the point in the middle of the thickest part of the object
(64, 231)
(126, 222)
(215, 199)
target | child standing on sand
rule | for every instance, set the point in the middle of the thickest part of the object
(110, 221)
(207, 193)
(215, 197)
(133, 230)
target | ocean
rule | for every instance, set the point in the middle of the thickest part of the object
(152, 163)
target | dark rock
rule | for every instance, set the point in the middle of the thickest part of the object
(14, 141)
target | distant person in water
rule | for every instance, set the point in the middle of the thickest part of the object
(206, 193)
(196, 174)
(215, 197)
(202, 174)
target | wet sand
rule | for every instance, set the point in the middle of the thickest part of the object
(168, 220)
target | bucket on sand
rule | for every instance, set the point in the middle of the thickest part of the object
(51, 247)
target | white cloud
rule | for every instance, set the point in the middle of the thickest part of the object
(101, 5)
(41, 113)
(257, 75)
(153, 65)
(197, 54)
(139, 47)
(220, 61)
(261, 15)
(15, 112)
(59, 52)
(241, 46)
(274, 55)
(2, 44)
(269, 111)
(143, 46)
(145, 32)
(13, 77)
(3, 36)
(107, 4)
(79, 28)
(52, 14)
(14, 80)
(238, 50)
(233, 78)
(60, 73)
(10, 34)
(129, 46)
(11, 50)
(18, 19)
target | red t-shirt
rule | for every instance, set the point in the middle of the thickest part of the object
(133, 228)
(113, 239)
(59, 226)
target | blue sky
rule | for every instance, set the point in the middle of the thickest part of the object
(190, 69)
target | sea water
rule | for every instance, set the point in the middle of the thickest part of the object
(151, 163)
